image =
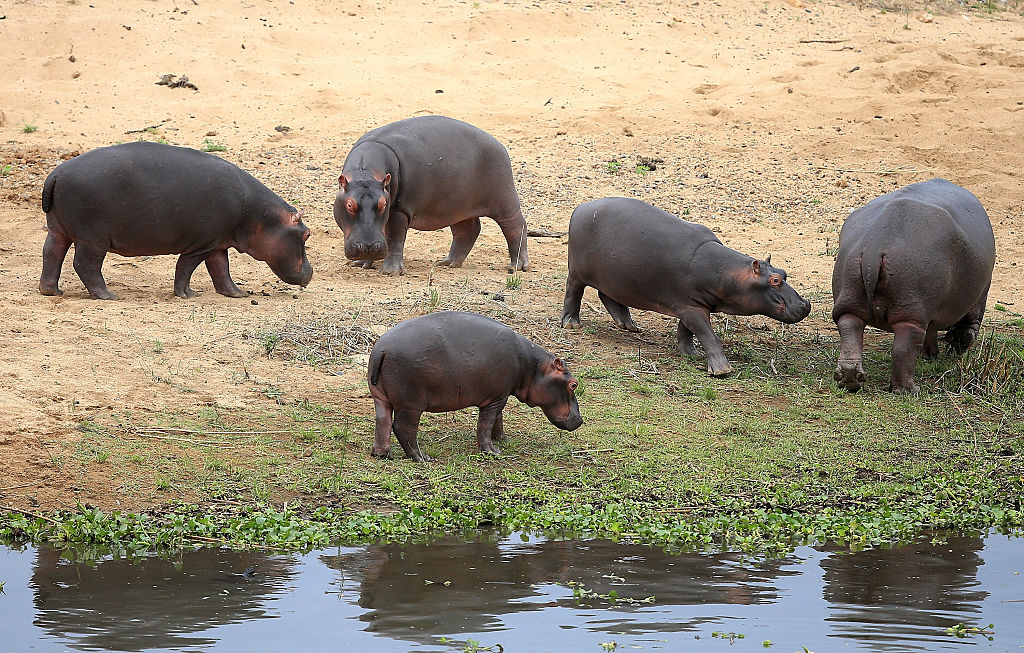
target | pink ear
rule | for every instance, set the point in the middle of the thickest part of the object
(756, 267)
(296, 218)
(558, 364)
(343, 181)
(768, 259)
(387, 180)
(382, 178)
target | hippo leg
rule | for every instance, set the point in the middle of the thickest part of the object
(398, 227)
(698, 322)
(217, 266)
(183, 269)
(907, 344)
(384, 414)
(366, 265)
(54, 250)
(89, 265)
(684, 341)
(619, 312)
(930, 349)
(498, 432)
(962, 334)
(407, 423)
(513, 228)
(849, 372)
(489, 416)
(463, 236)
(574, 288)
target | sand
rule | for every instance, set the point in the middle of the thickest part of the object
(768, 121)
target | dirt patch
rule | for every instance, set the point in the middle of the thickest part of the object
(768, 122)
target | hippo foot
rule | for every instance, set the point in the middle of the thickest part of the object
(448, 262)
(187, 293)
(719, 369)
(688, 349)
(420, 457)
(512, 269)
(960, 340)
(50, 291)
(383, 453)
(366, 265)
(234, 292)
(569, 322)
(849, 378)
(102, 294)
(395, 271)
(491, 449)
(910, 389)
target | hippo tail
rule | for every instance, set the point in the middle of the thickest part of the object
(376, 362)
(870, 268)
(48, 185)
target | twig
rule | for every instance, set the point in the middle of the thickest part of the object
(583, 451)
(215, 540)
(15, 487)
(823, 40)
(545, 233)
(160, 429)
(167, 437)
(879, 171)
(139, 131)
(28, 514)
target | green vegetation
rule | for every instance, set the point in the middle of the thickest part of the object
(212, 146)
(771, 457)
(28, 129)
(6, 169)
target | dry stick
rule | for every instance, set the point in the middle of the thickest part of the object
(161, 429)
(28, 514)
(15, 487)
(139, 131)
(876, 171)
(167, 437)
(823, 40)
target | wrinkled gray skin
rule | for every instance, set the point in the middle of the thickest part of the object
(451, 360)
(143, 199)
(911, 262)
(426, 173)
(639, 256)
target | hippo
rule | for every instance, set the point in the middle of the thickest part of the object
(143, 199)
(427, 173)
(637, 255)
(451, 360)
(911, 262)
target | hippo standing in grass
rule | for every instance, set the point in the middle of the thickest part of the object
(143, 199)
(452, 360)
(637, 255)
(427, 173)
(911, 262)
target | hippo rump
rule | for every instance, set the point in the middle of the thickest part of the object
(639, 256)
(143, 199)
(911, 262)
(451, 360)
(427, 173)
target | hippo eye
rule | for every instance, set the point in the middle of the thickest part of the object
(351, 206)
(572, 386)
(775, 280)
(381, 203)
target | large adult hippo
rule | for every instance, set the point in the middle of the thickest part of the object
(427, 173)
(911, 262)
(451, 360)
(637, 255)
(143, 199)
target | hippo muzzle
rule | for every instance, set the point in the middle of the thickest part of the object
(795, 311)
(365, 250)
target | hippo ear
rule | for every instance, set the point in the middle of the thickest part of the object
(756, 267)
(768, 259)
(558, 365)
(384, 179)
(295, 218)
(343, 181)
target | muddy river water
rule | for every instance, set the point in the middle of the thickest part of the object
(519, 593)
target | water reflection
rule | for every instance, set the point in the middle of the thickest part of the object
(145, 603)
(473, 587)
(400, 598)
(897, 596)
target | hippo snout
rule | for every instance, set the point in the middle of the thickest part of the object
(364, 251)
(797, 311)
(571, 422)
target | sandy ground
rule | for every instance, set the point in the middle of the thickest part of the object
(771, 120)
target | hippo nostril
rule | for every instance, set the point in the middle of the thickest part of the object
(378, 248)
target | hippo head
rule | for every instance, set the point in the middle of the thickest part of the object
(554, 390)
(279, 239)
(761, 289)
(361, 209)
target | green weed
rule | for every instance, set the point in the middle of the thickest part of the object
(212, 146)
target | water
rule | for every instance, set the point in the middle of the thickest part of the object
(517, 594)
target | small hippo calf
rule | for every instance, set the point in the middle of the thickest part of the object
(143, 199)
(911, 262)
(452, 360)
(637, 255)
(426, 173)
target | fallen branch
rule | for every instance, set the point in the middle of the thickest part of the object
(545, 233)
(28, 514)
(15, 487)
(146, 129)
(189, 440)
(823, 40)
(160, 429)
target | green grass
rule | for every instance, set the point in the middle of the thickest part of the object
(772, 456)
(212, 146)
(29, 129)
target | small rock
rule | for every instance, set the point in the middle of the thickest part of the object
(284, 129)
(254, 302)
(378, 329)
(926, 18)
